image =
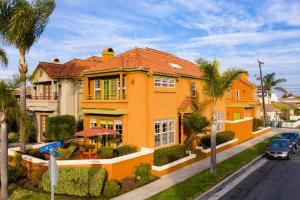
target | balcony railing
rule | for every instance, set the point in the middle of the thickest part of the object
(44, 97)
(106, 97)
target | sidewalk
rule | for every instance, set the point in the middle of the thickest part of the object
(188, 171)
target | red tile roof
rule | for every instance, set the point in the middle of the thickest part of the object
(95, 131)
(185, 103)
(149, 59)
(71, 69)
(248, 83)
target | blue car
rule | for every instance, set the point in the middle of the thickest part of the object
(293, 137)
(280, 148)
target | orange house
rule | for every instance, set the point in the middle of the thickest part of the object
(241, 100)
(144, 94)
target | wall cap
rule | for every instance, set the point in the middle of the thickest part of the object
(218, 146)
(238, 121)
(174, 163)
(261, 130)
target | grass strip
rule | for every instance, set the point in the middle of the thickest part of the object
(203, 181)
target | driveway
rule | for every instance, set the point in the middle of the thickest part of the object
(275, 180)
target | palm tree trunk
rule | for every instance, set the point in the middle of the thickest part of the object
(213, 151)
(23, 72)
(4, 157)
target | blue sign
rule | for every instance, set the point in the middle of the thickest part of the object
(47, 148)
(55, 154)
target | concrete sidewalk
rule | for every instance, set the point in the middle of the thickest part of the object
(188, 171)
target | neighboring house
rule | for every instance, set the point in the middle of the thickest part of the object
(241, 100)
(144, 94)
(56, 89)
(17, 93)
(273, 113)
(268, 100)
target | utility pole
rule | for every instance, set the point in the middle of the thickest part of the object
(262, 92)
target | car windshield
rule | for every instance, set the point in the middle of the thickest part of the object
(289, 136)
(279, 143)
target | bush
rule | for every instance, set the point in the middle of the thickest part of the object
(256, 124)
(111, 189)
(106, 152)
(67, 154)
(221, 138)
(60, 127)
(77, 181)
(35, 153)
(124, 150)
(168, 154)
(12, 137)
(142, 173)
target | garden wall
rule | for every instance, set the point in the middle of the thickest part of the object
(242, 128)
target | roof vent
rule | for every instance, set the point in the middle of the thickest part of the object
(176, 66)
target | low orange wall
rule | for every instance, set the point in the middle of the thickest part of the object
(242, 129)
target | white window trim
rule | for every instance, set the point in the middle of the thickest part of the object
(237, 94)
(228, 92)
(171, 85)
(97, 89)
(164, 82)
(168, 131)
(220, 121)
(93, 121)
(157, 82)
(194, 91)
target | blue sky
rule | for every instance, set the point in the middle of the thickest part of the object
(235, 32)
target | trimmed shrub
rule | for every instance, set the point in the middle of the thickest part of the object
(142, 173)
(35, 153)
(67, 154)
(169, 154)
(77, 181)
(221, 137)
(124, 150)
(60, 127)
(256, 124)
(111, 189)
(106, 152)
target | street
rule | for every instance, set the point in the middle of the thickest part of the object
(276, 180)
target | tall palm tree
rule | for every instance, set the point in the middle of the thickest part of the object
(215, 84)
(21, 24)
(3, 57)
(8, 107)
(270, 82)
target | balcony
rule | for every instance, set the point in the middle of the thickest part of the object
(43, 103)
(246, 102)
(105, 104)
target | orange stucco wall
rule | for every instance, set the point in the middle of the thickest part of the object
(243, 129)
(147, 103)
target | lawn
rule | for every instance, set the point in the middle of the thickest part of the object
(194, 186)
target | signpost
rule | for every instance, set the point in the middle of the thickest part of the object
(53, 169)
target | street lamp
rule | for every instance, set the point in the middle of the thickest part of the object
(262, 92)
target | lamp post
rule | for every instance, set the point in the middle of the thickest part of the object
(262, 92)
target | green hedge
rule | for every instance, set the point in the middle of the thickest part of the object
(60, 127)
(124, 150)
(111, 189)
(221, 138)
(106, 152)
(168, 154)
(256, 124)
(77, 181)
(142, 173)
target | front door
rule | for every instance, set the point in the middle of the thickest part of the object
(42, 127)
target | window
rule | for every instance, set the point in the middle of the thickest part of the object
(165, 82)
(119, 126)
(164, 132)
(228, 92)
(124, 87)
(219, 121)
(157, 133)
(110, 125)
(97, 88)
(93, 123)
(157, 81)
(237, 93)
(171, 83)
(193, 89)
(103, 124)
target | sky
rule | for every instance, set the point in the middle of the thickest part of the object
(237, 33)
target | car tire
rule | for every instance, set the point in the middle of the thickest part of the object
(294, 150)
(288, 157)
(297, 146)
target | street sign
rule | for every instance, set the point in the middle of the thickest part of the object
(54, 153)
(53, 169)
(45, 149)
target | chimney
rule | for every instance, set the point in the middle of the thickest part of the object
(107, 53)
(55, 61)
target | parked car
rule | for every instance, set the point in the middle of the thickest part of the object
(280, 148)
(293, 137)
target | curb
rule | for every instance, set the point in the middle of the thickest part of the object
(230, 178)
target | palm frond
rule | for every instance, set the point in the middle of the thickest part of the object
(281, 80)
(282, 90)
(3, 57)
(228, 77)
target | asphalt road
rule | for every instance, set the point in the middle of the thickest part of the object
(275, 180)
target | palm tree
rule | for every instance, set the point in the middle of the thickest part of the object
(21, 24)
(270, 82)
(8, 107)
(3, 57)
(215, 84)
(194, 124)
